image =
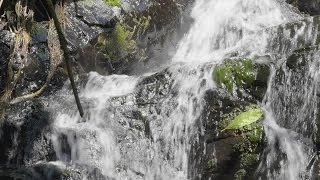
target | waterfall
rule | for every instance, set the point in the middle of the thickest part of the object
(109, 138)
(290, 121)
(225, 27)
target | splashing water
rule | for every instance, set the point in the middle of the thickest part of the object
(110, 139)
(227, 26)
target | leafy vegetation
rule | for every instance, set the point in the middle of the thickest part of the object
(113, 3)
(234, 73)
(245, 119)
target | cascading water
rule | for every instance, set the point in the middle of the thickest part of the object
(108, 140)
(290, 124)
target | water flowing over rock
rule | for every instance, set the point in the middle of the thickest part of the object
(161, 82)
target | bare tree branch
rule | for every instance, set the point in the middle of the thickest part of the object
(67, 56)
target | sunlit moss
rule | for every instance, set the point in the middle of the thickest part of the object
(113, 3)
(123, 37)
(240, 174)
(122, 42)
(234, 73)
(212, 165)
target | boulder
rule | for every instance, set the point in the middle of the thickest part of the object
(242, 78)
(26, 135)
(223, 154)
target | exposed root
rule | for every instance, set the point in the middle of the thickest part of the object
(6, 97)
(29, 96)
(35, 94)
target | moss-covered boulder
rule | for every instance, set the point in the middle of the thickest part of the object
(135, 36)
(233, 74)
(245, 144)
(242, 78)
(228, 153)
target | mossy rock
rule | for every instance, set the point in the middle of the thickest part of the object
(122, 42)
(119, 49)
(248, 152)
(116, 45)
(234, 73)
(242, 77)
(240, 174)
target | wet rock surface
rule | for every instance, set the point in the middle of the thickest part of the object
(25, 137)
(220, 154)
(311, 7)
(6, 41)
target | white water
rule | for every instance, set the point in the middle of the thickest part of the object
(292, 102)
(103, 139)
(223, 27)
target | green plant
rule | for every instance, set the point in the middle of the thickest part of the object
(245, 118)
(113, 3)
(234, 73)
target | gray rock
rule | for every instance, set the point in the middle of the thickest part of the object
(311, 7)
(25, 136)
(6, 40)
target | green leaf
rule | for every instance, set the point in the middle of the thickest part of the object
(244, 119)
(113, 3)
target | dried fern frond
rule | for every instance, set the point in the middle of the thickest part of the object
(56, 59)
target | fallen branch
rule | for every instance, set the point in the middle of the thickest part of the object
(67, 56)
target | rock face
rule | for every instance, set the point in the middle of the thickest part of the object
(242, 78)
(6, 39)
(133, 39)
(26, 135)
(311, 7)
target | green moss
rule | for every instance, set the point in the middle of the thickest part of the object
(233, 74)
(246, 151)
(226, 118)
(240, 174)
(212, 165)
(118, 44)
(123, 38)
(113, 3)
(248, 154)
(121, 44)
(256, 134)
(248, 160)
